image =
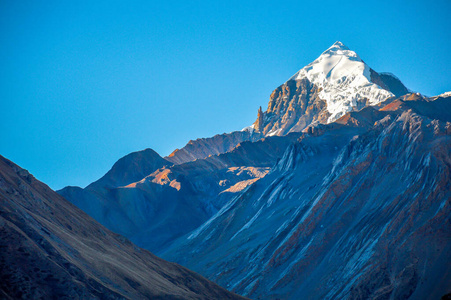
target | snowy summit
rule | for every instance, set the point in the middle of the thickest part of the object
(344, 78)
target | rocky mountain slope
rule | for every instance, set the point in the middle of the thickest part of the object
(338, 81)
(171, 200)
(52, 250)
(218, 144)
(356, 209)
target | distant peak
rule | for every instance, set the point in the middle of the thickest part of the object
(343, 79)
(338, 46)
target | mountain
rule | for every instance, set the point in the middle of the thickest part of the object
(356, 209)
(172, 200)
(340, 189)
(52, 250)
(337, 82)
(133, 209)
(130, 168)
(122, 210)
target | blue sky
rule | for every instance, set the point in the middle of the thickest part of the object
(85, 82)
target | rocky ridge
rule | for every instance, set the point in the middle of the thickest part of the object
(205, 147)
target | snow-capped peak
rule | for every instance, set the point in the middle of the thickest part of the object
(337, 46)
(344, 79)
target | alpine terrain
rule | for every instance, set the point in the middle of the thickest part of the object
(52, 250)
(340, 189)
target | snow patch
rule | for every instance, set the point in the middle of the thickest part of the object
(274, 132)
(249, 128)
(446, 94)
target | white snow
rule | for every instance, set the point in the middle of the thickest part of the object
(249, 128)
(344, 79)
(445, 94)
(274, 132)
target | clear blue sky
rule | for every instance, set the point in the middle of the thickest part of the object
(83, 83)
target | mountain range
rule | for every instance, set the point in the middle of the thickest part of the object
(340, 189)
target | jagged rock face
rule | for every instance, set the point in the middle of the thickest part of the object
(49, 249)
(349, 212)
(260, 122)
(335, 83)
(292, 107)
(218, 144)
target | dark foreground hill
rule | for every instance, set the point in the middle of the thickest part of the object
(49, 249)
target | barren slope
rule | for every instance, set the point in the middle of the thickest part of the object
(51, 249)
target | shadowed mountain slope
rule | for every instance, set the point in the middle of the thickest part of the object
(173, 200)
(340, 189)
(50, 249)
(204, 147)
